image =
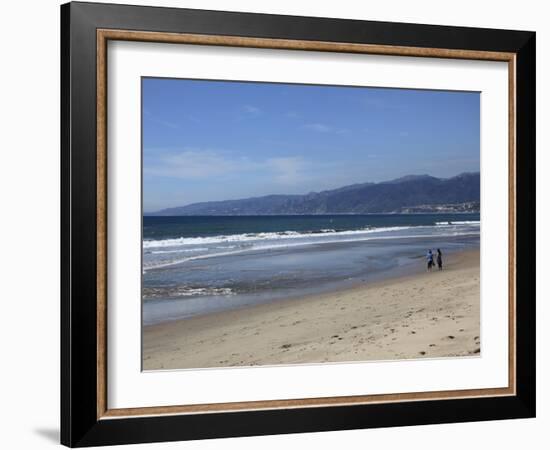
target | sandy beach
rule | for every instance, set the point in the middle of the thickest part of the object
(422, 315)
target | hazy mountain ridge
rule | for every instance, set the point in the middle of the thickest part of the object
(404, 194)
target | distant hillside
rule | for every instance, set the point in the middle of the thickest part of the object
(407, 194)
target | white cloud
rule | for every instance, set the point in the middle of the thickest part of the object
(203, 164)
(197, 164)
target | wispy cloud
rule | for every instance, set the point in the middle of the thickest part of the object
(288, 171)
(323, 128)
(251, 109)
(195, 163)
(203, 164)
(319, 127)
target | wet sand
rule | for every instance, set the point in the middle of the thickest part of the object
(425, 315)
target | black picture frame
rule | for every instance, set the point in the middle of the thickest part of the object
(80, 425)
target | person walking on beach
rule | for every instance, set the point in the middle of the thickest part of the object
(430, 258)
(439, 260)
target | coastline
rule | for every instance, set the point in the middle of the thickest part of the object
(420, 315)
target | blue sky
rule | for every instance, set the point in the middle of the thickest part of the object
(215, 140)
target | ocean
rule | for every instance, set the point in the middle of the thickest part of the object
(197, 265)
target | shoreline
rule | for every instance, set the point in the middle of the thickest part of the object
(417, 315)
(335, 287)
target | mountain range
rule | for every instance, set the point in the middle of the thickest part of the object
(412, 193)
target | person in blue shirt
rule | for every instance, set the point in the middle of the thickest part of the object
(430, 258)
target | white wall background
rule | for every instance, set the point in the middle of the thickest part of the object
(29, 225)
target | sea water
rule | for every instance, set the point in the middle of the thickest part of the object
(197, 265)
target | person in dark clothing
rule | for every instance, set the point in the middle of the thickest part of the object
(439, 260)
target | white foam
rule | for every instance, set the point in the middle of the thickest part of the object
(180, 250)
(460, 222)
(247, 237)
(185, 291)
(164, 264)
(203, 291)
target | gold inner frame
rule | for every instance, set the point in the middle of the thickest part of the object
(104, 35)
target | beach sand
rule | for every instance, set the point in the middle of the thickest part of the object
(423, 315)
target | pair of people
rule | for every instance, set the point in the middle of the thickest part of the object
(430, 258)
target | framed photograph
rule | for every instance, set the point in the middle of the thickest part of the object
(277, 224)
